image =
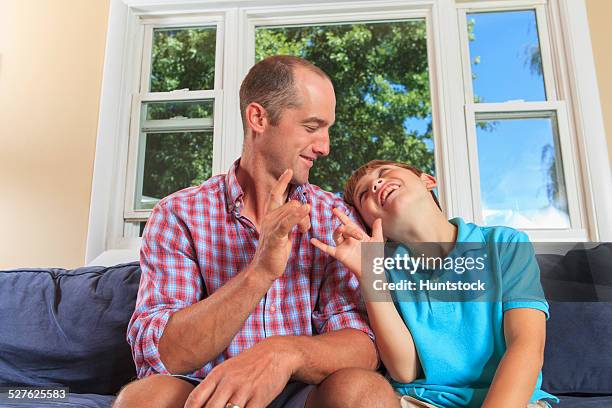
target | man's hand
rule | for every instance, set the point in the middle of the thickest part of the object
(348, 238)
(252, 379)
(275, 244)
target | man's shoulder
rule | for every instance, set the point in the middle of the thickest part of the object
(324, 198)
(211, 189)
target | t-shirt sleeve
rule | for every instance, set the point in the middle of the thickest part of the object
(521, 275)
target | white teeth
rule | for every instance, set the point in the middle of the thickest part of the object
(388, 190)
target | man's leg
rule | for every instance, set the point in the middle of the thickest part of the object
(355, 388)
(155, 391)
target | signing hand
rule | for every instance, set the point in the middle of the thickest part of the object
(274, 246)
(252, 379)
(348, 238)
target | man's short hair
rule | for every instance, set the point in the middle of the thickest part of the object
(351, 183)
(271, 83)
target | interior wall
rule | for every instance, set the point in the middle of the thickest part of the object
(51, 59)
(600, 22)
(51, 62)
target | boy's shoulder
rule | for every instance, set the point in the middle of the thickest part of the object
(491, 234)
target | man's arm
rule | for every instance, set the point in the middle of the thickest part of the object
(517, 373)
(198, 333)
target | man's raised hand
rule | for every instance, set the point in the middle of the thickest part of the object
(348, 238)
(275, 244)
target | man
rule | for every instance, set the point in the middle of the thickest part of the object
(231, 289)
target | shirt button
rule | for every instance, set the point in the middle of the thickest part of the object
(272, 309)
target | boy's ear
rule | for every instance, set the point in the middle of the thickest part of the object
(256, 117)
(429, 181)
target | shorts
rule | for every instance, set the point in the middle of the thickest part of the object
(294, 394)
(410, 402)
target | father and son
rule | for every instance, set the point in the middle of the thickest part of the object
(252, 293)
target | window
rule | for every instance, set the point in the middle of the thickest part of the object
(172, 138)
(381, 78)
(520, 153)
(497, 98)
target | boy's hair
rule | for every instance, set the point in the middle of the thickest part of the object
(351, 183)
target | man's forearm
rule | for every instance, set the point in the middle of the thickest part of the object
(316, 357)
(199, 333)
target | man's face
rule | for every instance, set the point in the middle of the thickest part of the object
(387, 191)
(302, 134)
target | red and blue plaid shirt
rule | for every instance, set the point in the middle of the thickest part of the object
(196, 240)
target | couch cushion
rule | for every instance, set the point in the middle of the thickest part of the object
(67, 327)
(74, 400)
(578, 353)
(584, 402)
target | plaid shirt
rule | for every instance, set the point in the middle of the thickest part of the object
(196, 240)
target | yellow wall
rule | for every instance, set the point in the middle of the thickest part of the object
(51, 60)
(600, 18)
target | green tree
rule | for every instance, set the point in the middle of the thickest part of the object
(381, 78)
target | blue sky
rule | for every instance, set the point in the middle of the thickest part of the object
(513, 174)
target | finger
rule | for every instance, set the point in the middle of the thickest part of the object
(352, 231)
(304, 224)
(323, 247)
(291, 218)
(200, 394)
(345, 219)
(377, 231)
(220, 397)
(277, 193)
(239, 398)
(337, 235)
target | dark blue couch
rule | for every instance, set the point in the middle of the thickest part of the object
(67, 328)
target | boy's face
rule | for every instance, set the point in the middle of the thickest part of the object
(388, 191)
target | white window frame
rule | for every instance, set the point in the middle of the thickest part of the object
(136, 143)
(570, 54)
(567, 146)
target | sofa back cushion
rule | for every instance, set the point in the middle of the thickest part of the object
(578, 353)
(68, 327)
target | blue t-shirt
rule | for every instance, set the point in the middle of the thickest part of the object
(460, 341)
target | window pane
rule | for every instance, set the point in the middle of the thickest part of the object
(381, 78)
(521, 176)
(183, 58)
(177, 110)
(505, 56)
(175, 148)
(173, 161)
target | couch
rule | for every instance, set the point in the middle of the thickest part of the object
(67, 328)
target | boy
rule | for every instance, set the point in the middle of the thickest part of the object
(440, 353)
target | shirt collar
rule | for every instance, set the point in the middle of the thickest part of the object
(468, 232)
(234, 192)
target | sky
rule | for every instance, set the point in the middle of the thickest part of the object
(513, 175)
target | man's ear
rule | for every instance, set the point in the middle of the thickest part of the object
(429, 181)
(256, 117)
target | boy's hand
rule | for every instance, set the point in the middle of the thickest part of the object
(348, 238)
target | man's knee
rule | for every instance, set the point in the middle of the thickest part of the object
(155, 391)
(354, 387)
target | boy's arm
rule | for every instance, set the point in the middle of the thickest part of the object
(517, 373)
(393, 339)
